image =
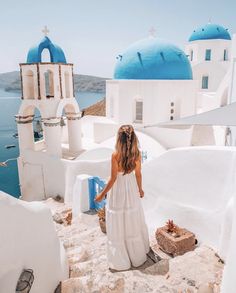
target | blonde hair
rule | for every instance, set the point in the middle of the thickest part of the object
(127, 148)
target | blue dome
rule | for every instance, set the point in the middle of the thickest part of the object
(56, 53)
(210, 31)
(153, 58)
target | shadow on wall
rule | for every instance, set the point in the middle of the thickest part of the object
(96, 162)
(193, 186)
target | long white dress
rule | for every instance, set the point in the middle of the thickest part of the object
(127, 233)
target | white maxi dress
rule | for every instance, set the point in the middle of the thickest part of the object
(127, 233)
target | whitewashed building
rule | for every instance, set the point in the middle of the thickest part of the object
(209, 51)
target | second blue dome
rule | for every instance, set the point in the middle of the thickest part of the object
(210, 31)
(153, 58)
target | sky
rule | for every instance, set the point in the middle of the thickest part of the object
(92, 33)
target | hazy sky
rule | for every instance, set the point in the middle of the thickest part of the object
(93, 32)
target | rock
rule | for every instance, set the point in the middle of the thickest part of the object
(58, 218)
(64, 217)
(68, 218)
(79, 254)
(205, 288)
(191, 282)
(58, 198)
(159, 268)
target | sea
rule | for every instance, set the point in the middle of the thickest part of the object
(9, 106)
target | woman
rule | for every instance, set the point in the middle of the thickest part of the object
(127, 233)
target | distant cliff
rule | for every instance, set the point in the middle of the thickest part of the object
(10, 81)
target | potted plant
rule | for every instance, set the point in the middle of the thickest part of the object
(175, 240)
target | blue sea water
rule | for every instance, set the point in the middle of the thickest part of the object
(9, 106)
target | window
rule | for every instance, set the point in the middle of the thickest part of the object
(49, 84)
(208, 55)
(191, 55)
(225, 55)
(205, 82)
(67, 84)
(139, 111)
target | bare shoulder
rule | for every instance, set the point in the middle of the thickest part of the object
(114, 161)
(139, 157)
(114, 156)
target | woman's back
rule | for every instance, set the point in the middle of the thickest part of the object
(127, 233)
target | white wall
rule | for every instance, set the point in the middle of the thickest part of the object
(41, 176)
(171, 137)
(157, 96)
(216, 46)
(192, 186)
(29, 241)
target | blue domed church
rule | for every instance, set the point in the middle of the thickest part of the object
(152, 83)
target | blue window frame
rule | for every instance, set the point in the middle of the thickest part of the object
(205, 80)
(208, 55)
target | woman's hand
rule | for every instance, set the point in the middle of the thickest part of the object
(141, 192)
(99, 197)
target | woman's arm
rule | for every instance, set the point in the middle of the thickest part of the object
(138, 175)
(114, 170)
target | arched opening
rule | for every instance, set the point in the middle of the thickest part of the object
(64, 128)
(33, 130)
(45, 56)
(37, 126)
(70, 131)
(29, 85)
(67, 85)
(49, 84)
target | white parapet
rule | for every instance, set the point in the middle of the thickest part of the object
(80, 195)
(29, 241)
(194, 187)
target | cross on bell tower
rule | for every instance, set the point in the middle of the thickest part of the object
(45, 31)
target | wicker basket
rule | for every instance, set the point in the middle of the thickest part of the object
(102, 224)
(102, 219)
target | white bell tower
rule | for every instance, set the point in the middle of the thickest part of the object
(48, 91)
